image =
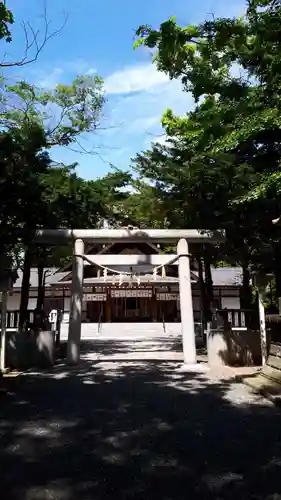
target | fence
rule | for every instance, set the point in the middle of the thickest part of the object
(238, 318)
(12, 318)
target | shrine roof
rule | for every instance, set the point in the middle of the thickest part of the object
(222, 277)
(144, 279)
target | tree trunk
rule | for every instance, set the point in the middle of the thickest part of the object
(203, 295)
(208, 288)
(208, 280)
(246, 291)
(277, 271)
(25, 287)
(41, 288)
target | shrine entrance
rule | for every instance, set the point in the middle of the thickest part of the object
(133, 304)
(143, 310)
(131, 309)
(79, 237)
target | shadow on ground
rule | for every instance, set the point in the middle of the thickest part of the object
(142, 430)
(170, 347)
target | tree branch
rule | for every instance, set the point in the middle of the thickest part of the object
(32, 41)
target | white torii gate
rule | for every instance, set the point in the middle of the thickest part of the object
(78, 237)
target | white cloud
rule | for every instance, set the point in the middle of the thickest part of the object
(135, 79)
(91, 71)
(137, 97)
(135, 120)
(65, 72)
(141, 113)
(144, 124)
(50, 80)
(79, 67)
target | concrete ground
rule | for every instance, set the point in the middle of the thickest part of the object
(129, 424)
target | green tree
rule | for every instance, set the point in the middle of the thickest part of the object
(6, 19)
(63, 113)
(34, 192)
(36, 121)
(67, 201)
(229, 146)
(140, 207)
(33, 121)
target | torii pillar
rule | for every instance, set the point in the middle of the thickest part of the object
(74, 329)
(186, 306)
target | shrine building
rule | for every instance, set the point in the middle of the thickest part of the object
(119, 288)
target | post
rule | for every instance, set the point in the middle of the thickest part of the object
(262, 327)
(3, 330)
(74, 329)
(186, 306)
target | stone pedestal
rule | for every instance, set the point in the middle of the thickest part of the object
(45, 348)
(233, 348)
(218, 347)
(29, 349)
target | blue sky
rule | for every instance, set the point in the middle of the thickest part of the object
(98, 38)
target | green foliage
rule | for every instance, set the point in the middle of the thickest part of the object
(6, 19)
(19, 183)
(64, 113)
(221, 167)
(34, 192)
(142, 207)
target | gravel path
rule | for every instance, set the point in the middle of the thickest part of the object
(118, 428)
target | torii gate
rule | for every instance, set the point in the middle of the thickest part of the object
(182, 237)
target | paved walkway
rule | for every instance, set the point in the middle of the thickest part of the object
(127, 428)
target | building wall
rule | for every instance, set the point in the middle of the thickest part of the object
(32, 304)
(66, 305)
(230, 302)
(227, 301)
(13, 303)
(196, 303)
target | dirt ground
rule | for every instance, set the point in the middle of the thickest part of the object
(128, 425)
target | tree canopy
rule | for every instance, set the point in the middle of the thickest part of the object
(6, 19)
(36, 192)
(221, 164)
